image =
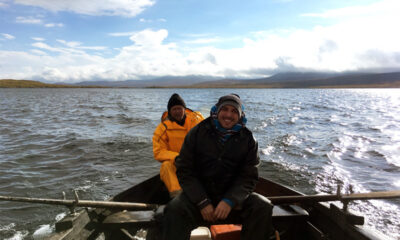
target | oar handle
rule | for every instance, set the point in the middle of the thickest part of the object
(335, 197)
(84, 203)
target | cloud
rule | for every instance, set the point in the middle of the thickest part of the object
(204, 40)
(379, 8)
(38, 39)
(357, 42)
(121, 34)
(143, 20)
(78, 45)
(53, 25)
(149, 37)
(3, 4)
(36, 20)
(6, 36)
(38, 52)
(69, 44)
(126, 8)
(44, 46)
(28, 20)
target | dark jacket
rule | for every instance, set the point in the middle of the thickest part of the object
(209, 171)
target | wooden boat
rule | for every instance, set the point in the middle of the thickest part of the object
(300, 221)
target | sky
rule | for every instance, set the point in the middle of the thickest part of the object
(115, 40)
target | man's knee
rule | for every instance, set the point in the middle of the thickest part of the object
(168, 166)
(260, 204)
(174, 206)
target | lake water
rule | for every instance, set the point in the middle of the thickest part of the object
(98, 142)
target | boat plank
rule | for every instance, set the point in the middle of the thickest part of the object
(129, 219)
(289, 211)
(75, 226)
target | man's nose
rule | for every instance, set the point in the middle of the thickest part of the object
(229, 114)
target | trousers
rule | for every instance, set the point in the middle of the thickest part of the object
(168, 176)
(181, 216)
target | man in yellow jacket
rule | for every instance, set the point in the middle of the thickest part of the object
(168, 139)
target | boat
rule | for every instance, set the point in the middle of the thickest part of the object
(304, 220)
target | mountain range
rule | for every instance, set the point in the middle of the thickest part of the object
(280, 80)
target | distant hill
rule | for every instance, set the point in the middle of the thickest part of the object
(314, 80)
(11, 83)
(281, 80)
(297, 77)
(166, 81)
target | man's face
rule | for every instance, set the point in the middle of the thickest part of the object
(177, 112)
(228, 116)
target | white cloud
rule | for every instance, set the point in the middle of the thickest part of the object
(78, 45)
(38, 39)
(3, 4)
(204, 40)
(29, 20)
(7, 36)
(121, 34)
(126, 8)
(150, 20)
(36, 20)
(379, 8)
(149, 37)
(53, 25)
(44, 46)
(69, 44)
(359, 41)
(97, 48)
(38, 52)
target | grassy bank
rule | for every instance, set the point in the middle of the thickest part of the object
(11, 83)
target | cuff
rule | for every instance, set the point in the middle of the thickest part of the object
(229, 202)
(203, 203)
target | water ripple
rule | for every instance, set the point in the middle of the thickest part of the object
(98, 142)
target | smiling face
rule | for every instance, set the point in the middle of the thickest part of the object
(228, 116)
(177, 112)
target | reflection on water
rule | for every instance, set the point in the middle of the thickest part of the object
(98, 142)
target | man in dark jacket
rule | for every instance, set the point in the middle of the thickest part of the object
(217, 169)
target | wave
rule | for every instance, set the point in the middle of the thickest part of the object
(10, 233)
(309, 139)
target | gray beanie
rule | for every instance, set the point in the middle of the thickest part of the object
(231, 99)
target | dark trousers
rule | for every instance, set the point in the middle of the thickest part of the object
(182, 216)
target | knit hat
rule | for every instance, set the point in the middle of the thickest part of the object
(175, 99)
(231, 99)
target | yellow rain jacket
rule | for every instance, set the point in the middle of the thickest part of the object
(167, 142)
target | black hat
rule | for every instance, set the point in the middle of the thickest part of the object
(175, 99)
(231, 99)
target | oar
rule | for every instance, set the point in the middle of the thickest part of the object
(335, 197)
(143, 206)
(84, 203)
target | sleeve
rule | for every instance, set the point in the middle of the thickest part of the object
(160, 146)
(186, 172)
(199, 116)
(247, 178)
(196, 118)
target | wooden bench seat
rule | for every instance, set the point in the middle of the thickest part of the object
(281, 212)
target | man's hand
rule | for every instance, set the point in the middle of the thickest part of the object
(208, 213)
(222, 210)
